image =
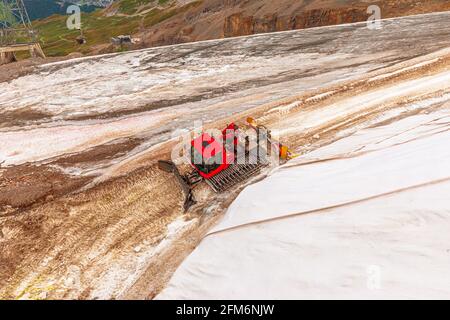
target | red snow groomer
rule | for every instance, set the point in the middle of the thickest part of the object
(227, 160)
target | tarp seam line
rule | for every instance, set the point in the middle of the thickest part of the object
(329, 207)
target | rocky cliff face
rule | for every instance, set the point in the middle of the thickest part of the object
(238, 24)
(212, 19)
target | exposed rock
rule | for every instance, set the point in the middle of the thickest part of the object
(239, 25)
(212, 19)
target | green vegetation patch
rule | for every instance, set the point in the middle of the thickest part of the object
(156, 16)
(132, 6)
(6, 15)
(58, 40)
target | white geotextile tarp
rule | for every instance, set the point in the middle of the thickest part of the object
(366, 217)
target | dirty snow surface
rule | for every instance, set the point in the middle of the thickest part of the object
(365, 217)
(85, 212)
(68, 107)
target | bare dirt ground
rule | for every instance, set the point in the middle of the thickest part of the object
(21, 68)
(15, 70)
(97, 219)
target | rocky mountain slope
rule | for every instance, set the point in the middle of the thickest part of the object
(162, 22)
(217, 18)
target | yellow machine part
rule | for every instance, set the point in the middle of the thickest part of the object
(284, 152)
(252, 122)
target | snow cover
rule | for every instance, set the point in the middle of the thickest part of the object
(150, 93)
(365, 217)
(416, 87)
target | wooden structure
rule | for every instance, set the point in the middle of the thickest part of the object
(7, 53)
(16, 32)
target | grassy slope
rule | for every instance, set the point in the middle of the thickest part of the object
(98, 28)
